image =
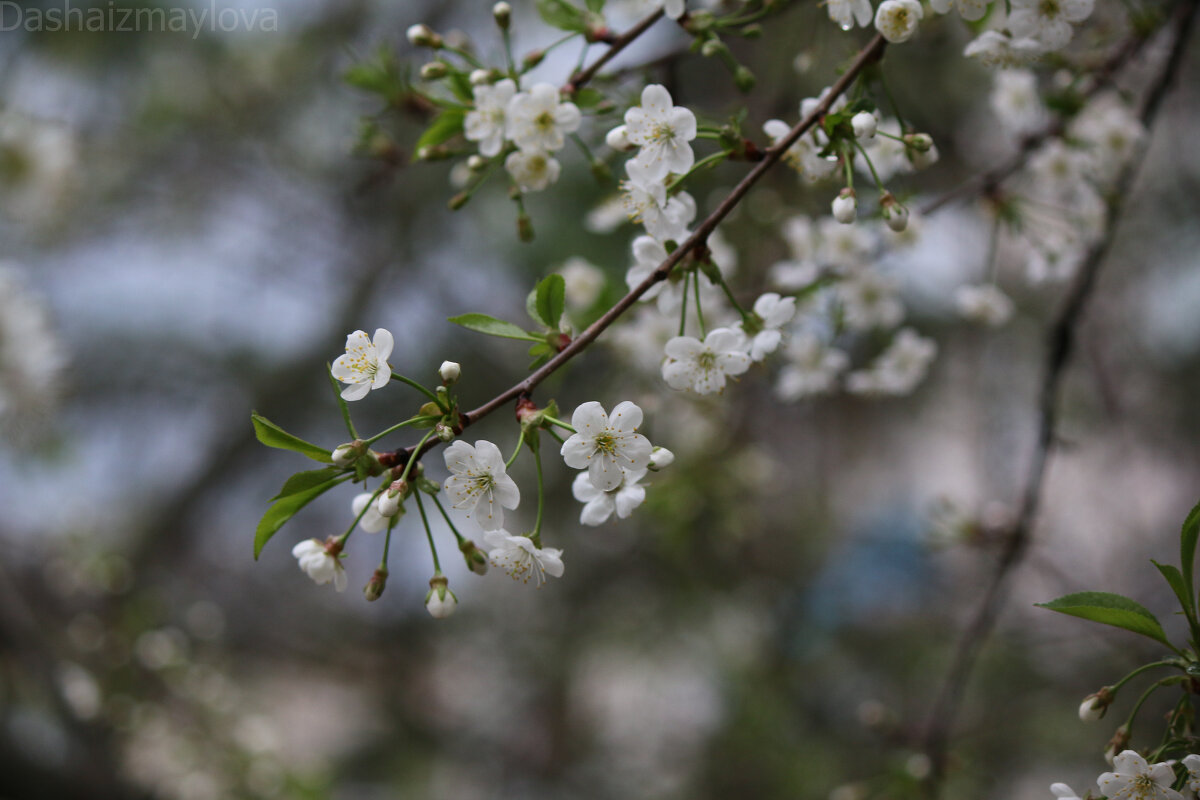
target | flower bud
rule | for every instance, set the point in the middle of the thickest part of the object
(376, 585)
(924, 158)
(921, 142)
(1094, 705)
(618, 139)
(502, 13)
(440, 602)
(476, 559)
(864, 124)
(845, 206)
(660, 457)
(476, 162)
(753, 31)
(744, 79)
(450, 370)
(434, 70)
(1117, 743)
(443, 432)
(894, 214)
(423, 36)
(346, 454)
(533, 58)
(388, 504)
(712, 47)
(479, 77)
(458, 201)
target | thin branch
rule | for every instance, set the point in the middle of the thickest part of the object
(1059, 346)
(871, 53)
(578, 80)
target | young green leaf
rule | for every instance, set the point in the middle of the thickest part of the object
(283, 510)
(1178, 586)
(551, 292)
(588, 97)
(595, 6)
(541, 353)
(446, 124)
(531, 307)
(562, 15)
(1109, 609)
(303, 481)
(1187, 549)
(272, 435)
(482, 323)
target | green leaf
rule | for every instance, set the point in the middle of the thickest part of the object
(460, 84)
(482, 323)
(551, 294)
(1178, 586)
(283, 510)
(272, 435)
(541, 353)
(1187, 549)
(303, 481)
(595, 6)
(531, 306)
(1109, 609)
(446, 124)
(588, 97)
(562, 15)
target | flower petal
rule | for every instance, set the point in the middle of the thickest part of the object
(598, 510)
(356, 391)
(625, 417)
(582, 489)
(383, 344)
(589, 419)
(605, 472)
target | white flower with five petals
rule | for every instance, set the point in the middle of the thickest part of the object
(971, 10)
(772, 313)
(1047, 21)
(1133, 778)
(539, 120)
(364, 365)
(662, 130)
(702, 367)
(487, 122)
(532, 170)
(521, 558)
(479, 486)
(599, 505)
(646, 203)
(605, 445)
(319, 564)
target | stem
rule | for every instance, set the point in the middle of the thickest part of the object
(1151, 689)
(708, 159)
(437, 567)
(560, 424)
(729, 294)
(418, 387)
(699, 311)
(848, 166)
(387, 544)
(513, 457)
(874, 174)
(577, 80)
(415, 455)
(398, 426)
(464, 55)
(508, 55)
(683, 308)
(446, 517)
(1170, 662)
(536, 537)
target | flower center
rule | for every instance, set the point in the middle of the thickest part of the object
(1048, 8)
(544, 121)
(707, 360)
(662, 132)
(606, 443)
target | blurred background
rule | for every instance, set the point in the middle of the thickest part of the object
(190, 224)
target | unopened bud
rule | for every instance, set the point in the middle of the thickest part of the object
(1095, 705)
(864, 124)
(502, 13)
(476, 162)
(480, 76)
(533, 58)
(618, 139)
(924, 158)
(440, 602)
(754, 31)
(660, 457)
(458, 201)
(376, 585)
(744, 79)
(450, 370)
(346, 454)
(894, 214)
(1117, 743)
(423, 36)
(443, 432)
(388, 504)
(476, 559)
(434, 70)
(524, 228)
(712, 47)
(845, 206)
(921, 142)
(438, 153)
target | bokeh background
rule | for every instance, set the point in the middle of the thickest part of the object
(189, 226)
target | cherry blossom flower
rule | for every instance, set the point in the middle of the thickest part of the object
(583, 282)
(702, 367)
(869, 300)
(539, 120)
(533, 170)
(317, 562)
(605, 446)
(772, 312)
(889, 156)
(662, 130)
(599, 505)
(845, 206)
(898, 370)
(984, 304)
(1047, 21)
(372, 521)
(1016, 102)
(812, 368)
(479, 485)
(970, 10)
(1063, 792)
(1133, 778)
(847, 12)
(648, 253)
(804, 156)
(646, 203)
(995, 49)
(1192, 764)
(364, 365)
(897, 19)
(521, 558)
(487, 122)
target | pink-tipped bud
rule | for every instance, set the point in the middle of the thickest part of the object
(845, 206)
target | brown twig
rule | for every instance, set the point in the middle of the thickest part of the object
(1059, 346)
(618, 44)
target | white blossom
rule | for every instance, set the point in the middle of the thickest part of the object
(607, 216)
(487, 122)
(662, 130)
(319, 565)
(33, 360)
(970, 10)
(440, 602)
(847, 12)
(773, 312)
(479, 485)
(1047, 21)
(646, 203)
(845, 207)
(1111, 131)
(1016, 102)
(843, 246)
(995, 49)
(533, 170)
(1192, 764)
(898, 370)
(605, 445)
(812, 368)
(449, 371)
(702, 367)
(521, 558)
(889, 156)
(364, 365)
(600, 504)
(674, 9)
(1063, 792)
(870, 300)
(1133, 778)
(897, 19)
(583, 282)
(618, 139)
(371, 521)
(539, 120)
(865, 124)
(984, 304)
(804, 155)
